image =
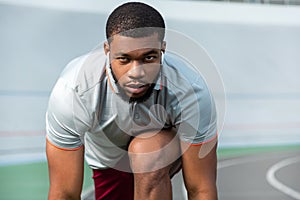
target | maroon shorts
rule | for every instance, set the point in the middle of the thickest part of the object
(111, 184)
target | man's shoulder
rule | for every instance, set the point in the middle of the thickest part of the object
(179, 72)
(84, 71)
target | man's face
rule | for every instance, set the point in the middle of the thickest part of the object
(135, 63)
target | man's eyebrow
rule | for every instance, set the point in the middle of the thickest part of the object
(152, 51)
(121, 54)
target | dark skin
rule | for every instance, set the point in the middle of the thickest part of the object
(139, 59)
(136, 63)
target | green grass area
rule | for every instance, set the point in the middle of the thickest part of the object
(244, 151)
(31, 182)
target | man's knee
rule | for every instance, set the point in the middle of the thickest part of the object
(153, 151)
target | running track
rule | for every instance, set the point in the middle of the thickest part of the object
(267, 176)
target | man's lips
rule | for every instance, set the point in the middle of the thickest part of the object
(136, 88)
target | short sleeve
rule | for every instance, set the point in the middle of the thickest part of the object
(67, 118)
(196, 114)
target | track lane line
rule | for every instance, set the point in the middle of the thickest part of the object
(271, 178)
(229, 163)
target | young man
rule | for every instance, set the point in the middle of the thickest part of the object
(139, 116)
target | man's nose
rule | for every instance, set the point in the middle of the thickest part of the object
(137, 70)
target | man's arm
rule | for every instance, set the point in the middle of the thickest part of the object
(65, 172)
(199, 165)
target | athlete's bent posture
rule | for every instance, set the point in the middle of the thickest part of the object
(138, 113)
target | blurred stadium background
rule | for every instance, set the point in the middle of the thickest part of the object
(279, 2)
(255, 45)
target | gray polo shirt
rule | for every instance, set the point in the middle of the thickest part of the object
(84, 109)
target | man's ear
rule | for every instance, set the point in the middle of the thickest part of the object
(163, 46)
(106, 47)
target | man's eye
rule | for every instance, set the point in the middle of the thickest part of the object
(123, 59)
(150, 58)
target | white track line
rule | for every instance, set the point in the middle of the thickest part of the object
(229, 163)
(270, 176)
(240, 161)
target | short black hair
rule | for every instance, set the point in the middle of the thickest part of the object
(135, 19)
